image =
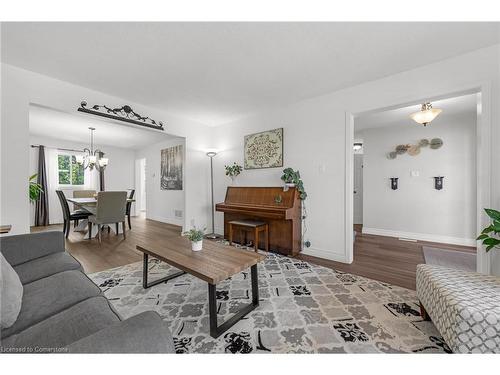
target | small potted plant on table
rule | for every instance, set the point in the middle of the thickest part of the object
(196, 237)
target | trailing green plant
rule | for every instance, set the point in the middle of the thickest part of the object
(293, 177)
(34, 189)
(233, 170)
(490, 234)
(195, 234)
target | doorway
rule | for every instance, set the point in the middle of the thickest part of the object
(470, 154)
(358, 187)
(140, 176)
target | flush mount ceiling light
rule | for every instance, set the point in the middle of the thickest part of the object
(357, 146)
(426, 114)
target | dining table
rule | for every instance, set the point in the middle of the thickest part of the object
(89, 205)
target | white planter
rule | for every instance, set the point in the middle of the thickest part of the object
(196, 246)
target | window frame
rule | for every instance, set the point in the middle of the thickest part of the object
(70, 171)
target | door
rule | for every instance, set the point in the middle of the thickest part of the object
(358, 189)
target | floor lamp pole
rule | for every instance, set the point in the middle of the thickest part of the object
(212, 208)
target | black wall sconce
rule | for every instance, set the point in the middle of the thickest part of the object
(438, 182)
(394, 183)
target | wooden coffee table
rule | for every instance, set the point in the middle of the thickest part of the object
(215, 263)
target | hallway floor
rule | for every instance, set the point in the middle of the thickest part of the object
(386, 259)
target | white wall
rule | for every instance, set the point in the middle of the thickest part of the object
(161, 204)
(20, 88)
(315, 139)
(417, 210)
(315, 135)
(119, 174)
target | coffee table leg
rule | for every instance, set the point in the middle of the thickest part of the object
(216, 330)
(145, 267)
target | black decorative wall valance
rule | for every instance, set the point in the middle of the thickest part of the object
(124, 113)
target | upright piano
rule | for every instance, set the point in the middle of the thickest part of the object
(280, 209)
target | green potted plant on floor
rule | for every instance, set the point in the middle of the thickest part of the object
(34, 189)
(196, 237)
(490, 234)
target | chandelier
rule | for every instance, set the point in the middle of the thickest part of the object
(92, 158)
(426, 114)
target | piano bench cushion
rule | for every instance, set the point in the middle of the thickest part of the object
(248, 223)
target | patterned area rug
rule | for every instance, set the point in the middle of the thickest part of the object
(304, 308)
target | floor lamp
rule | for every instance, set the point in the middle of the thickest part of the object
(211, 155)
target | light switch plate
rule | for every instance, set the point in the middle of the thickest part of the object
(414, 173)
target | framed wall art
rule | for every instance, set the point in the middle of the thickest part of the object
(172, 159)
(264, 149)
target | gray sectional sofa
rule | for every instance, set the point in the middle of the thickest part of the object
(62, 310)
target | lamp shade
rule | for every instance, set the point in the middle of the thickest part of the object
(426, 114)
(79, 158)
(103, 162)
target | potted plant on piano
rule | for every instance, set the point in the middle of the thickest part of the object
(292, 178)
(196, 237)
(233, 171)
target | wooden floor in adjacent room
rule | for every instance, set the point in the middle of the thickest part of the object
(115, 251)
(381, 258)
(386, 259)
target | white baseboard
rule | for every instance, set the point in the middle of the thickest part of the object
(421, 236)
(166, 220)
(324, 254)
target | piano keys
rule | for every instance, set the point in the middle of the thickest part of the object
(280, 209)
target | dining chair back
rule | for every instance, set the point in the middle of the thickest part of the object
(131, 193)
(111, 206)
(84, 193)
(64, 204)
(69, 216)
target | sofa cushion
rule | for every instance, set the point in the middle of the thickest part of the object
(50, 295)
(142, 333)
(25, 247)
(66, 327)
(46, 266)
(11, 294)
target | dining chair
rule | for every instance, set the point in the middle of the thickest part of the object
(68, 215)
(131, 193)
(110, 208)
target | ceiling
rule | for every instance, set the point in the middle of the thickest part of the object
(74, 127)
(460, 105)
(218, 72)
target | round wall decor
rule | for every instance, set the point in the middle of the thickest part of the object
(414, 150)
(436, 143)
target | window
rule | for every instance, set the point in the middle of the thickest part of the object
(69, 171)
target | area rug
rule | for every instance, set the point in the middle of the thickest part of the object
(450, 258)
(304, 308)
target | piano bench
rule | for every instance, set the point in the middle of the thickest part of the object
(250, 225)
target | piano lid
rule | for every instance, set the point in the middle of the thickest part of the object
(260, 196)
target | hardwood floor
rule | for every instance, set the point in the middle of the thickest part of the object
(385, 259)
(114, 250)
(381, 258)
